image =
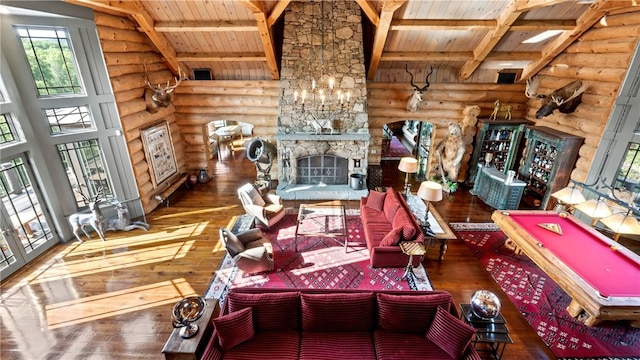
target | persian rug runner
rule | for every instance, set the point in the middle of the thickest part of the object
(396, 150)
(320, 263)
(543, 303)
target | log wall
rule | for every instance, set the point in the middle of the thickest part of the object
(126, 50)
(443, 103)
(600, 58)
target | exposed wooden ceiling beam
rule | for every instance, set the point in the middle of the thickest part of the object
(277, 11)
(388, 8)
(235, 57)
(205, 26)
(592, 15)
(538, 25)
(505, 20)
(456, 56)
(138, 13)
(452, 24)
(370, 11)
(257, 8)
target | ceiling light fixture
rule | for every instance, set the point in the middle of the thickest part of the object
(542, 36)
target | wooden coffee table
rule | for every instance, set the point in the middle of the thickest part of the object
(440, 228)
(322, 220)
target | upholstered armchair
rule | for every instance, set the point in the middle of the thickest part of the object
(251, 252)
(267, 209)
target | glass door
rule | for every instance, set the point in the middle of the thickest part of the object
(24, 219)
(423, 148)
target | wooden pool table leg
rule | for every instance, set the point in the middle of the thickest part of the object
(511, 245)
(578, 312)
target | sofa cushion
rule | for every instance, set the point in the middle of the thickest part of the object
(391, 204)
(402, 220)
(409, 313)
(271, 311)
(450, 333)
(269, 345)
(344, 312)
(397, 346)
(337, 345)
(393, 237)
(376, 199)
(234, 328)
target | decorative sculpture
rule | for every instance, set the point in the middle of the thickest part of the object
(123, 221)
(498, 108)
(185, 312)
(450, 151)
(485, 304)
(566, 99)
(79, 220)
(415, 99)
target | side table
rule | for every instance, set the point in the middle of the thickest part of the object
(493, 332)
(177, 348)
(411, 248)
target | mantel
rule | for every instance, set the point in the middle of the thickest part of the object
(323, 137)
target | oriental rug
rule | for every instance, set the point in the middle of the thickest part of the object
(543, 303)
(320, 263)
(396, 150)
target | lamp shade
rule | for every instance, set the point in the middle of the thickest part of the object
(430, 191)
(622, 224)
(594, 208)
(408, 165)
(569, 196)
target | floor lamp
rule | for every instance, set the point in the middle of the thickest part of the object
(408, 165)
(429, 191)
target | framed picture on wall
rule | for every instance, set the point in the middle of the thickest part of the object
(158, 149)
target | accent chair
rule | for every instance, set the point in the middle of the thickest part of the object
(267, 209)
(251, 252)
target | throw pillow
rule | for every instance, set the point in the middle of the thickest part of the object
(402, 220)
(410, 314)
(450, 333)
(234, 328)
(391, 204)
(392, 238)
(376, 200)
(347, 312)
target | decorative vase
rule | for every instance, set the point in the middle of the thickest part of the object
(193, 180)
(203, 176)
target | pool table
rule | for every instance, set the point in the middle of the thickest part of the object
(601, 276)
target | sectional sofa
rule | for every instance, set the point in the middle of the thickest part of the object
(307, 324)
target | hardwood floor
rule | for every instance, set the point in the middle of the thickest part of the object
(113, 299)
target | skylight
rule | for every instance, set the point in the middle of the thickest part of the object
(542, 36)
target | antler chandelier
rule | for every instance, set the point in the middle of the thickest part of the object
(321, 101)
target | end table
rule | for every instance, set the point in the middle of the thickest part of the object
(411, 248)
(491, 332)
(177, 348)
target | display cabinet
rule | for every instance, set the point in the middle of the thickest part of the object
(499, 138)
(549, 157)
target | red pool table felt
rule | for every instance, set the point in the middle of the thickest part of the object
(610, 272)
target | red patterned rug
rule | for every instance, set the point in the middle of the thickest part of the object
(320, 263)
(396, 150)
(543, 303)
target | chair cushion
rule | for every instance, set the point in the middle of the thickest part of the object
(409, 313)
(234, 328)
(376, 199)
(392, 238)
(337, 312)
(450, 334)
(231, 242)
(271, 311)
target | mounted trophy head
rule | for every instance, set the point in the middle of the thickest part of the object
(159, 96)
(415, 99)
(566, 99)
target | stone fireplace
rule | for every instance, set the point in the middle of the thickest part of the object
(319, 151)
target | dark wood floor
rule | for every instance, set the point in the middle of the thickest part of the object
(112, 300)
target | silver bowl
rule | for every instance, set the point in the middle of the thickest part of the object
(485, 304)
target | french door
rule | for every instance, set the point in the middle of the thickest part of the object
(24, 217)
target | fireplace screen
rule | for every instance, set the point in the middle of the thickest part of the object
(322, 169)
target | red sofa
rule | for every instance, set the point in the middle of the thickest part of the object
(313, 324)
(387, 220)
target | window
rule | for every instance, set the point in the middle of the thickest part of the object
(7, 131)
(51, 59)
(69, 120)
(85, 169)
(628, 176)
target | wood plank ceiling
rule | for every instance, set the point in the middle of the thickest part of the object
(237, 39)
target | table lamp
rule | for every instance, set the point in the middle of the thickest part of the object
(408, 165)
(429, 191)
(596, 209)
(568, 196)
(621, 223)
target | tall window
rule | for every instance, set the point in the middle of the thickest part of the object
(51, 59)
(7, 130)
(69, 120)
(85, 169)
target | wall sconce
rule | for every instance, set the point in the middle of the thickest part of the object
(596, 209)
(568, 196)
(408, 165)
(621, 223)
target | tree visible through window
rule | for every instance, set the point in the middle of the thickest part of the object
(628, 176)
(7, 133)
(50, 57)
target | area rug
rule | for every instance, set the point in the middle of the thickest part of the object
(320, 263)
(396, 150)
(543, 303)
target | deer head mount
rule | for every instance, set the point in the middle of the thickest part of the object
(416, 98)
(566, 99)
(159, 95)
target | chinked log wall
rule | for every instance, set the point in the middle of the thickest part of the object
(126, 50)
(600, 58)
(443, 103)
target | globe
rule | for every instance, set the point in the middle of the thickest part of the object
(485, 304)
(185, 312)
